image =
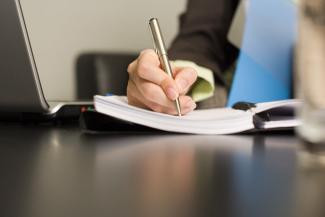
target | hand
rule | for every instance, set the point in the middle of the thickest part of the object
(151, 88)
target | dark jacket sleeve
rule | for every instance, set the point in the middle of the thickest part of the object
(202, 37)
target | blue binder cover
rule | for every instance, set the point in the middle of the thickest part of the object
(264, 70)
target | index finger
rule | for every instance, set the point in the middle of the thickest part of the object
(148, 69)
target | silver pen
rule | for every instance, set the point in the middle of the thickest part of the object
(160, 49)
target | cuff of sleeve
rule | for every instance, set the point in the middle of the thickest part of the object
(204, 86)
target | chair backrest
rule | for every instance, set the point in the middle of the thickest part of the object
(102, 73)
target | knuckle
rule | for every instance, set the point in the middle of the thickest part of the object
(144, 52)
(149, 56)
(130, 68)
(147, 52)
(143, 69)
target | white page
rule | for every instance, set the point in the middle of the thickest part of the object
(293, 103)
(281, 105)
(212, 121)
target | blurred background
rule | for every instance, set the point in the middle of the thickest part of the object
(63, 30)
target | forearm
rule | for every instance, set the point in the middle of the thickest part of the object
(203, 33)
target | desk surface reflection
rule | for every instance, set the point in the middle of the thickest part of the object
(59, 171)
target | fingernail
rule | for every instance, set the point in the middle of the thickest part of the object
(171, 93)
(182, 84)
(191, 105)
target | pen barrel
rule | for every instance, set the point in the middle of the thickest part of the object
(166, 65)
(157, 36)
(162, 54)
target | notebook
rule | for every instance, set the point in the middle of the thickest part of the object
(242, 117)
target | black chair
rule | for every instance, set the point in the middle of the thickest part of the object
(102, 73)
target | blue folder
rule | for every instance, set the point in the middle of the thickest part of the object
(264, 70)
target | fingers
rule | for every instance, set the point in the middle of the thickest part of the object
(154, 93)
(150, 87)
(147, 67)
(157, 100)
(186, 103)
(184, 78)
(133, 96)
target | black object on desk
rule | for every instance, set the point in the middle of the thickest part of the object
(95, 122)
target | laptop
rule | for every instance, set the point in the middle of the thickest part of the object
(21, 94)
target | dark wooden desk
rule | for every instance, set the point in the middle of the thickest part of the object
(58, 171)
